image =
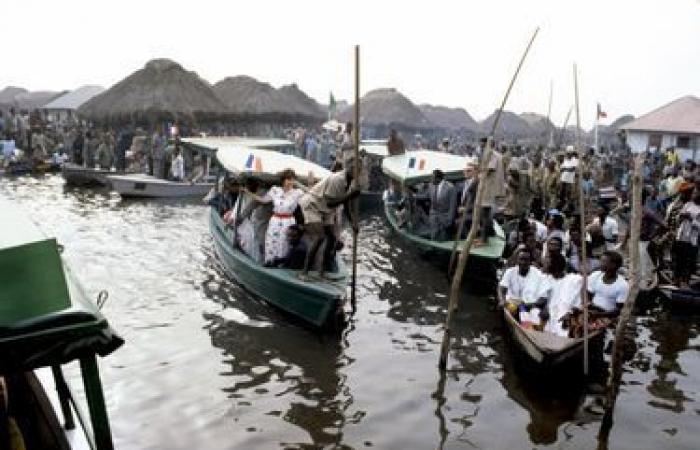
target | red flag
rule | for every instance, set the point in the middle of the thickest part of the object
(601, 114)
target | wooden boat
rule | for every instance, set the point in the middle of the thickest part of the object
(681, 298)
(76, 175)
(148, 186)
(548, 350)
(417, 167)
(47, 320)
(317, 303)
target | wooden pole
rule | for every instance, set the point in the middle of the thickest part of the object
(476, 218)
(356, 177)
(562, 134)
(618, 346)
(491, 135)
(582, 211)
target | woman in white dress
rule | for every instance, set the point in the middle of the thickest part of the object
(284, 200)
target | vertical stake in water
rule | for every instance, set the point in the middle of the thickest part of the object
(476, 219)
(618, 346)
(582, 211)
(356, 177)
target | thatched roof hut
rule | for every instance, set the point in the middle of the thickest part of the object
(247, 98)
(162, 90)
(22, 99)
(510, 127)
(449, 118)
(388, 108)
(301, 102)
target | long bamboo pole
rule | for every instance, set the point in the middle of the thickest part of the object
(582, 248)
(356, 177)
(618, 346)
(476, 217)
(563, 128)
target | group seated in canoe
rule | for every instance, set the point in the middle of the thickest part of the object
(434, 210)
(286, 224)
(549, 299)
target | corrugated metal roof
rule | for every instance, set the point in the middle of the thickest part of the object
(679, 116)
(72, 100)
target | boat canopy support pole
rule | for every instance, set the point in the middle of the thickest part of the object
(63, 397)
(96, 403)
(356, 178)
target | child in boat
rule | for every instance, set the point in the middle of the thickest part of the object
(296, 251)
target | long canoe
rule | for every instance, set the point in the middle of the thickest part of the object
(547, 350)
(76, 175)
(141, 185)
(317, 303)
(688, 299)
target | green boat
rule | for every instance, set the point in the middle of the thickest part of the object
(319, 302)
(46, 321)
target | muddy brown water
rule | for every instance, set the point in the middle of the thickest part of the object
(206, 366)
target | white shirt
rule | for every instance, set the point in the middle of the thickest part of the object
(689, 229)
(570, 175)
(563, 294)
(607, 296)
(177, 167)
(525, 288)
(609, 230)
(540, 230)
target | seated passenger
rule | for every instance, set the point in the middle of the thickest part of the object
(296, 251)
(607, 288)
(563, 292)
(529, 242)
(520, 286)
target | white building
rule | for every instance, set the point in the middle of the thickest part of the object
(65, 106)
(676, 124)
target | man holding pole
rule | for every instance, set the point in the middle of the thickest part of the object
(494, 188)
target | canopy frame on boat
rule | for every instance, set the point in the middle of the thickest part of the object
(417, 166)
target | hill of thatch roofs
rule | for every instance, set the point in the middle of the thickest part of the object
(388, 107)
(301, 102)
(22, 99)
(162, 89)
(449, 118)
(245, 96)
(510, 126)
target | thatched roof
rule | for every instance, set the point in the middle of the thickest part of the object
(539, 124)
(449, 118)
(162, 89)
(73, 99)
(680, 116)
(301, 102)
(388, 107)
(510, 125)
(21, 98)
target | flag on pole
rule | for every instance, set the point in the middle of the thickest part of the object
(601, 114)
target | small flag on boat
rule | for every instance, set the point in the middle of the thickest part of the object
(411, 163)
(601, 114)
(253, 163)
(421, 165)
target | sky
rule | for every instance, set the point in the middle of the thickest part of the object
(632, 55)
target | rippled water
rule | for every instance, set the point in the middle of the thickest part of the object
(207, 366)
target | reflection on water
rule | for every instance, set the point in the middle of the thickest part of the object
(207, 366)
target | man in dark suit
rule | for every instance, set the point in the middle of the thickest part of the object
(443, 204)
(466, 196)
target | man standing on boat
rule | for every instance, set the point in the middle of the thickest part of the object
(319, 207)
(395, 145)
(177, 168)
(494, 188)
(443, 204)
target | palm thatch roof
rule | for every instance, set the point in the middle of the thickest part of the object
(510, 125)
(388, 107)
(301, 102)
(20, 98)
(161, 90)
(7, 95)
(449, 118)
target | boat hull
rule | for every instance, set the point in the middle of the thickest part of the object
(315, 303)
(546, 350)
(144, 186)
(685, 299)
(76, 175)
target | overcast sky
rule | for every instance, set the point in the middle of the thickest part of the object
(633, 55)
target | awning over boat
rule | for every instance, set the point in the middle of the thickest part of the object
(375, 148)
(243, 159)
(417, 166)
(213, 143)
(45, 316)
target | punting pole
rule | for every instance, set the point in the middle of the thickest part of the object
(476, 218)
(582, 211)
(618, 346)
(356, 177)
(562, 134)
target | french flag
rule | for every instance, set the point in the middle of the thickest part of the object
(253, 163)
